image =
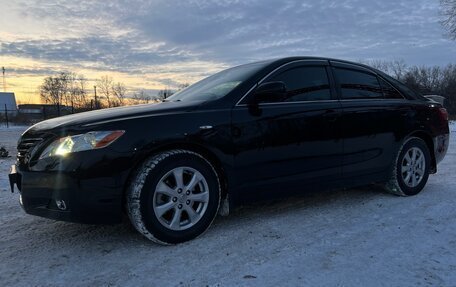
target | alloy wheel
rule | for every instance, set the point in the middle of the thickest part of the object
(413, 167)
(181, 198)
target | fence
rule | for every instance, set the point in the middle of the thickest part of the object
(33, 113)
(7, 115)
(29, 115)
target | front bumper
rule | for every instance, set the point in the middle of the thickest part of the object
(92, 201)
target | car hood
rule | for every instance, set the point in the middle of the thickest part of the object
(111, 114)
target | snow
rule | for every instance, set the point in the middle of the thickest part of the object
(360, 237)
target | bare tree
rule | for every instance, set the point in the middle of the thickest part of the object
(75, 94)
(54, 90)
(378, 64)
(448, 11)
(424, 79)
(82, 88)
(448, 87)
(105, 86)
(113, 93)
(140, 98)
(183, 86)
(163, 94)
(119, 92)
(66, 79)
(72, 92)
(397, 69)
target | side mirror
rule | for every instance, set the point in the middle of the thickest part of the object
(270, 92)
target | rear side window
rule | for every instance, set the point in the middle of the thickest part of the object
(358, 85)
(409, 93)
(305, 84)
(389, 91)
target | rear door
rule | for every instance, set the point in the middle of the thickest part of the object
(372, 122)
(296, 140)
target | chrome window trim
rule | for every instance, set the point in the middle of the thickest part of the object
(294, 102)
(249, 91)
(323, 101)
(372, 99)
(275, 70)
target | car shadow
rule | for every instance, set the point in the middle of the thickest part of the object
(70, 234)
(313, 199)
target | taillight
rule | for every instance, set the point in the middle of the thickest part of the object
(443, 114)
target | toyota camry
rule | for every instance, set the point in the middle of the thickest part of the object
(269, 127)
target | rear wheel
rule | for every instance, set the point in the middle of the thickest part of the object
(174, 197)
(411, 169)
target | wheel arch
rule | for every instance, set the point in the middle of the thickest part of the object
(210, 156)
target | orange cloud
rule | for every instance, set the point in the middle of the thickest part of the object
(25, 75)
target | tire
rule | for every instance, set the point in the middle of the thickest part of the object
(411, 168)
(173, 197)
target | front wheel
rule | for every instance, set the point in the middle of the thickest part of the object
(411, 168)
(174, 197)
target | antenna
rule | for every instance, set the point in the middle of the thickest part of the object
(4, 83)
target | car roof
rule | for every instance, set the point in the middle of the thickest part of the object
(281, 61)
(277, 62)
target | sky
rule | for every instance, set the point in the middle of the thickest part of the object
(151, 45)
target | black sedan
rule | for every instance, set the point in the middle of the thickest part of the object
(270, 127)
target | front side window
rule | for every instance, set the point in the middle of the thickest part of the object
(304, 84)
(358, 85)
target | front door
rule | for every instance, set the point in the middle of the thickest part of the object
(296, 139)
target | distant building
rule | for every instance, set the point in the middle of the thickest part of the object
(39, 112)
(8, 100)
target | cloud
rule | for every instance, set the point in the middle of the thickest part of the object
(171, 41)
(120, 53)
(250, 29)
(239, 31)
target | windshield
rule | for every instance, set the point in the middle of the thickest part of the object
(217, 85)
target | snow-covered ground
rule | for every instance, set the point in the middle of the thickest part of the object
(360, 237)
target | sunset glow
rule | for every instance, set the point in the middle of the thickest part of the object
(152, 45)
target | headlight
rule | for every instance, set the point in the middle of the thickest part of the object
(81, 142)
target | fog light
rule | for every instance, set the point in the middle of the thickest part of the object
(61, 204)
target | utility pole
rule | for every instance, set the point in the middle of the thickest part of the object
(6, 116)
(96, 102)
(4, 83)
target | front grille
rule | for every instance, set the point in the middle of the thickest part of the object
(30, 143)
(26, 145)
